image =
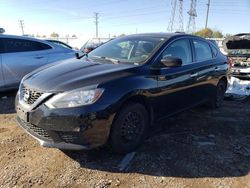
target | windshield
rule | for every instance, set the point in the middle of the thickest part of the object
(134, 50)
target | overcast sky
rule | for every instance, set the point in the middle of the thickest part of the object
(116, 16)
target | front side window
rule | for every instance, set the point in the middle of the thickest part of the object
(135, 50)
(202, 50)
(22, 45)
(179, 49)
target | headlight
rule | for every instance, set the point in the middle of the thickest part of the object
(75, 98)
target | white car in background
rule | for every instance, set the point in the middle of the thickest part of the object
(20, 55)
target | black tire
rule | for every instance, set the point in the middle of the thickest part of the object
(129, 128)
(218, 97)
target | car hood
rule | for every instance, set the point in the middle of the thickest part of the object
(74, 73)
(237, 44)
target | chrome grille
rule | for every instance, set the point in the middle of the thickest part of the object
(33, 95)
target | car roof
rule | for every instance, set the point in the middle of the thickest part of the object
(161, 35)
(18, 37)
(165, 35)
(33, 39)
(25, 38)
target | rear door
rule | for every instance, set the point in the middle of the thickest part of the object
(206, 65)
(21, 57)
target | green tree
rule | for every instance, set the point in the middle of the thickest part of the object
(209, 33)
(206, 33)
(122, 35)
(217, 34)
(54, 35)
(44, 36)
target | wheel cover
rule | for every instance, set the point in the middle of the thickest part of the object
(131, 127)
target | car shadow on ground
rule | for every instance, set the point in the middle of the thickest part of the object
(194, 144)
(7, 102)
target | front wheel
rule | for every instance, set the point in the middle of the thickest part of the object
(129, 128)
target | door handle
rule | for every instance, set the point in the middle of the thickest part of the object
(194, 75)
(216, 68)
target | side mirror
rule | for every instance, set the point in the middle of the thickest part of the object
(171, 61)
(80, 54)
(77, 55)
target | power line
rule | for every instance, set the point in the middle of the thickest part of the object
(96, 14)
(21, 22)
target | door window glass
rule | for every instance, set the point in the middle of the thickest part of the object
(214, 50)
(202, 50)
(179, 49)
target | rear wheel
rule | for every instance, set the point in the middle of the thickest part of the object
(218, 98)
(129, 128)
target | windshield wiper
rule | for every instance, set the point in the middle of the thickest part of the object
(115, 61)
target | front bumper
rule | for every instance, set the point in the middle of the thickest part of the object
(44, 140)
(71, 129)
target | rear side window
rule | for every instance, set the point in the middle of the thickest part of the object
(22, 45)
(214, 51)
(202, 50)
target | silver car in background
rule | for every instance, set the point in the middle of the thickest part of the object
(20, 55)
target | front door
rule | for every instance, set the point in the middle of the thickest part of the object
(176, 85)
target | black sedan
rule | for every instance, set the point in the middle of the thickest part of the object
(120, 90)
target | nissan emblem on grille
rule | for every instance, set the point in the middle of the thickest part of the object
(30, 96)
(26, 96)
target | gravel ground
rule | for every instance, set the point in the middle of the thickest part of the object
(197, 148)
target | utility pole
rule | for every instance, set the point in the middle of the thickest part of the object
(21, 22)
(96, 14)
(208, 5)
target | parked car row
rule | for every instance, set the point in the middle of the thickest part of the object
(118, 91)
